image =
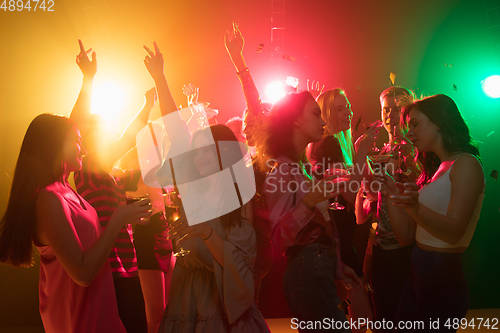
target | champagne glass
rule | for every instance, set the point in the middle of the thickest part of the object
(342, 175)
(173, 206)
(182, 252)
(374, 150)
(399, 173)
(398, 146)
(131, 200)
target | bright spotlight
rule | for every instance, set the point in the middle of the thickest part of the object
(275, 91)
(108, 100)
(491, 86)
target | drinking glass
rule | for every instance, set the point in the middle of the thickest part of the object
(131, 200)
(173, 208)
(342, 175)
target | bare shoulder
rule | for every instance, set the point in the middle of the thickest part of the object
(49, 197)
(469, 168)
(468, 163)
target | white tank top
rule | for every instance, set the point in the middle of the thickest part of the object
(436, 196)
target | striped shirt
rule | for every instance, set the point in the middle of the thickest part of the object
(106, 192)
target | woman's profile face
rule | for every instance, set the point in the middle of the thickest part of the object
(73, 150)
(310, 125)
(205, 156)
(343, 112)
(423, 133)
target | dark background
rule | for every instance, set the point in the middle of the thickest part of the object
(351, 44)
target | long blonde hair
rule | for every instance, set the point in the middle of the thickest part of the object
(326, 102)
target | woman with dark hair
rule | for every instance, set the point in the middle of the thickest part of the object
(212, 285)
(76, 287)
(443, 212)
(298, 210)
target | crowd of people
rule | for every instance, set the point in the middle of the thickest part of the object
(189, 255)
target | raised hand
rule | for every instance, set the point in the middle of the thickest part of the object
(314, 88)
(154, 62)
(364, 142)
(88, 67)
(150, 97)
(234, 41)
(191, 92)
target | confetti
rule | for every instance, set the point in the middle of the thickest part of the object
(392, 76)
(287, 57)
(261, 46)
(494, 174)
(490, 134)
(448, 65)
(455, 87)
(357, 123)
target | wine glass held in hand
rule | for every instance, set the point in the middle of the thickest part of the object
(342, 176)
(175, 232)
(131, 200)
(375, 125)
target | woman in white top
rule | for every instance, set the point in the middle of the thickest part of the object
(443, 209)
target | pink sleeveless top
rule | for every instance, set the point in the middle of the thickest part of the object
(66, 306)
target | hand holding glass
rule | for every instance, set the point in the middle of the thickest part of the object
(342, 176)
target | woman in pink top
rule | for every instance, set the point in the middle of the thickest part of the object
(442, 213)
(76, 287)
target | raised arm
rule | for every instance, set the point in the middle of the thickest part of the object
(81, 111)
(54, 228)
(363, 207)
(234, 43)
(191, 93)
(113, 151)
(154, 65)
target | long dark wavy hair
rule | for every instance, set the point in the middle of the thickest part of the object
(232, 154)
(442, 111)
(274, 139)
(40, 163)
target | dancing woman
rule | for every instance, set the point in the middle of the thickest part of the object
(253, 119)
(298, 208)
(443, 209)
(76, 287)
(212, 286)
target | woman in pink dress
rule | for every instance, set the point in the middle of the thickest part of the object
(76, 287)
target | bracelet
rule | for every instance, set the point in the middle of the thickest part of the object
(212, 229)
(243, 71)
